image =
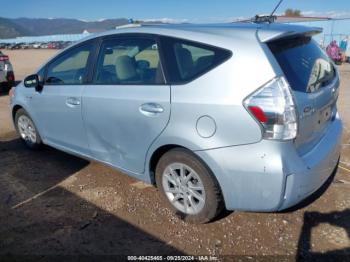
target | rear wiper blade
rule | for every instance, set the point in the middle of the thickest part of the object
(322, 80)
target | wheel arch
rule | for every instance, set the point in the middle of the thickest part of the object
(155, 157)
(14, 111)
(160, 151)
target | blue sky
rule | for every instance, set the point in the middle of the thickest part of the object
(175, 10)
(195, 11)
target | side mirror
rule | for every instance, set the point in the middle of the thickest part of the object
(33, 81)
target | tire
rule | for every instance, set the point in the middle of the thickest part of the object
(4, 87)
(29, 134)
(189, 202)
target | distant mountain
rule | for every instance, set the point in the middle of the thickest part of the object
(10, 28)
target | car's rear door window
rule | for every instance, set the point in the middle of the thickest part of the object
(186, 60)
(128, 61)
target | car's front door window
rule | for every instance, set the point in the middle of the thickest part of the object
(70, 68)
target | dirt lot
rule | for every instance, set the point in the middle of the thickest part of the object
(52, 203)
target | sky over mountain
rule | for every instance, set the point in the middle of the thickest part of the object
(97, 15)
(175, 10)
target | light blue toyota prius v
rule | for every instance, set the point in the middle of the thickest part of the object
(237, 116)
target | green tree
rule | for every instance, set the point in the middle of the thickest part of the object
(292, 12)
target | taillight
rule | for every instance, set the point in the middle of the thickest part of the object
(10, 76)
(4, 58)
(273, 107)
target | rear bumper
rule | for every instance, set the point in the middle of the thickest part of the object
(320, 163)
(270, 175)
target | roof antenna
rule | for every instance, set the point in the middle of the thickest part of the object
(268, 18)
(277, 6)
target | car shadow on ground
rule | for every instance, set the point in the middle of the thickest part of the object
(305, 251)
(311, 220)
(4, 90)
(58, 222)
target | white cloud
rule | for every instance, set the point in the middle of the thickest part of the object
(87, 20)
(197, 20)
(166, 20)
(331, 14)
(226, 19)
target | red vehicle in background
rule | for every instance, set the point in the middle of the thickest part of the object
(51, 45)
(7, 77)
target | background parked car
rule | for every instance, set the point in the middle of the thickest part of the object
(7, 77)
(25, 46)
(36, 45)
(14, 46)
(3, 45)
(43, 45)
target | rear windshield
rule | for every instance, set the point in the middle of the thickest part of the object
(305, 65)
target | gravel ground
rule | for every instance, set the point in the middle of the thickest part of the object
(52, 203)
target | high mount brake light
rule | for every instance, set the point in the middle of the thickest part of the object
(273, 107)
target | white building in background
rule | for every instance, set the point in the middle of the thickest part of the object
(47, 38)
(347, 51)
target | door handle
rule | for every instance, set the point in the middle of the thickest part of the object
(151, 109)
(73, 101)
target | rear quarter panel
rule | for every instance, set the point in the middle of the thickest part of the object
(219, 94)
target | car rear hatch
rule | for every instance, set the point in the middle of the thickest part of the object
(312, 78)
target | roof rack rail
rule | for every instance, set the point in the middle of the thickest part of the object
(264, 19)
(128, 26)
(267, 18)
